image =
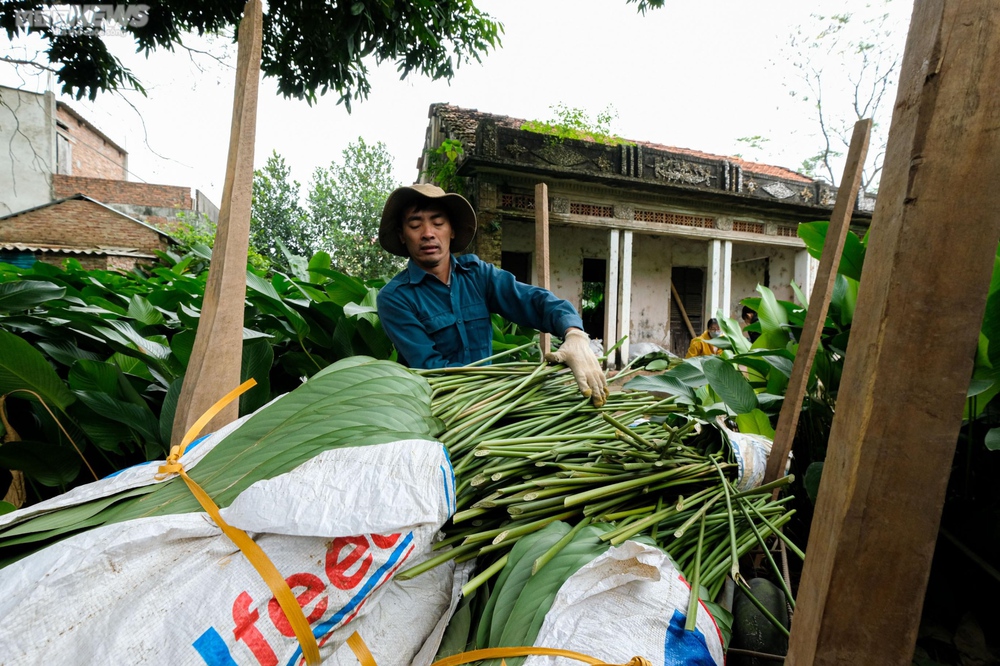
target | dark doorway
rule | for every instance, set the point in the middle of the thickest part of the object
(690, 285)
(518, 263)
(595, 272)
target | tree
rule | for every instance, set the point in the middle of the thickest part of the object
(846, 69)
(345, 206)
(309, 46)
(277, 216)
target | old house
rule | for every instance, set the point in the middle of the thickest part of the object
(641, 234)
(55, 231)
(54, 154)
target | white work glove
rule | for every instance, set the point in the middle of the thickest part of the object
(576, 354)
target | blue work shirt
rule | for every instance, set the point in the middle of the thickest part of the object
(435, 325)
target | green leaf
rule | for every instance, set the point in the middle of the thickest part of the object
(26, 294)
(23, 367)
(732, 332)
(320, 260)
(169, 409)
(138, 418)
(94, 376)
(723, 620)
(51, 465)
(657, 364)
(256, 363)
(773, 322)
(731, 386)
(992, 440)
(811, 480)
(6, 507)
(181, 345)
(800, 295)
(143, 311)
(665, 383)
(853, 258)
(65, 351)
(755, 422)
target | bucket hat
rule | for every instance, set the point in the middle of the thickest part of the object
(460, 214)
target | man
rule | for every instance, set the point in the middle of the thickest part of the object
(700, 346)
(437, 310)
(749, 317)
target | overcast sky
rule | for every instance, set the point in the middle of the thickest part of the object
(693, 74)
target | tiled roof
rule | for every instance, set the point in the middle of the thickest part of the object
(461, 124)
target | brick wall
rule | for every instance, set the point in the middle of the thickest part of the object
(79, 223)
(122, 192)
(92, 155)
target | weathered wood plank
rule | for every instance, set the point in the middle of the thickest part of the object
(916, 325)
(819, 301)
(214, 368)
(542, 251)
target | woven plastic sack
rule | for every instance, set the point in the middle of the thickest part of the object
(175, 590)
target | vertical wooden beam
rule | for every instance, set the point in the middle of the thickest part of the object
(625, 295)
(611, 294)
(812, 329)
(214, 367)
(542, 252)
(919, 312)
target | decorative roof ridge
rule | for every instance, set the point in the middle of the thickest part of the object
(463, 122)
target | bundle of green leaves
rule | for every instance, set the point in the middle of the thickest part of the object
(354, 402)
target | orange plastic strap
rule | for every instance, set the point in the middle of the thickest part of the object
(361, 651)
(254, 554)
(364, 655)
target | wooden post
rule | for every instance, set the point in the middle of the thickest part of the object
(920, 308)
(214, 367)
(682, 310)
(542, 252)
(819, 301)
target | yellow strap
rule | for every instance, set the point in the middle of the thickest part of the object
(361, 651)
(364, 655)
(254, 554)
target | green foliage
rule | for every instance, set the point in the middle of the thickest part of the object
(345, 208)
(443, 166)
(199, 231)
(309, 47)
(107, 352)
(575, 123)
(277, 217)
(371, 402)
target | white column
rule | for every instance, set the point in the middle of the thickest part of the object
(625, 295)
(611, 294)
(805, 272)
(713, 283)
(726, 266)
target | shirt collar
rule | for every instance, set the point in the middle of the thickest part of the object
(416, 273)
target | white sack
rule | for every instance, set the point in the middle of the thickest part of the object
(175, 590)
(627, 602)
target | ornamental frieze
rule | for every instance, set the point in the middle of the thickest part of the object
(681, 171)
(560, 155)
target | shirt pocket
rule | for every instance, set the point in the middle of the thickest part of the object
(442, 329)
(479, 328)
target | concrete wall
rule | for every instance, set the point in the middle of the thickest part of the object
(748, 272)
(92, 156)
(80, 224)
(27, 149)
(652, 260)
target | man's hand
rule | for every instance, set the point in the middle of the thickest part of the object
(575, 352)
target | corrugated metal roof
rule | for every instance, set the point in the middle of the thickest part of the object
(57, 249)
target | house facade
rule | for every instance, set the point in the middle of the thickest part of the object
(54, 154)
(645, 239)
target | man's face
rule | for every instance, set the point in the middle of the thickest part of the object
(427, 235)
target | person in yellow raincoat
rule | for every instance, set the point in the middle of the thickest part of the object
(701, 346)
